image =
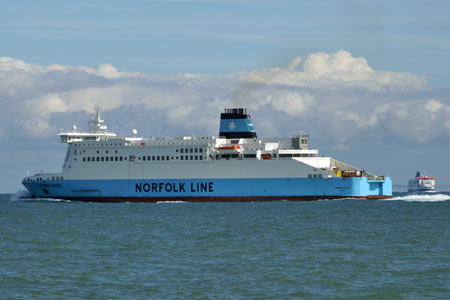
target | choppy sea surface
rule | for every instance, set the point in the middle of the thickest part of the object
(337, 249)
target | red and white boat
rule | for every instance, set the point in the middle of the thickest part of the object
(422, 183)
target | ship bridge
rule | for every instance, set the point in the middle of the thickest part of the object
(98, 130)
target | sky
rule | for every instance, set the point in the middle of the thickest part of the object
(367, 80)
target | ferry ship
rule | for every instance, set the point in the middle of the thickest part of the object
(236, 165)
(422, 183)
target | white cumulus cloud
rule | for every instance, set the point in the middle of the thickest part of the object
(337, 97)
(433, 105)
(337, 70)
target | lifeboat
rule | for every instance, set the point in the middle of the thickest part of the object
(230, 149)
(266, 156)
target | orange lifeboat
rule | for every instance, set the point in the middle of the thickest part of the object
(230, 149)
(266, 156)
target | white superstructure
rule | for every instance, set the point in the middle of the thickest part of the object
(98, 130)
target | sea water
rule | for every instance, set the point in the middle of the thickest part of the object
(337, 249)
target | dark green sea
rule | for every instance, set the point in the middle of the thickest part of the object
(340, 249)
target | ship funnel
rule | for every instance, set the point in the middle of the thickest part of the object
(235, 123)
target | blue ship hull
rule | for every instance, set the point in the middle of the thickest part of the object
(242, 189)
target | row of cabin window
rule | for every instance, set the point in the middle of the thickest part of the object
(182, 150)
(96, 145)
(191, 150)
(53, 178)
(103, 158)
(191, 157)
(119, 144)
(297, 155)
(144, 158)
(186, 157)
(314, 175)
(84, 151)
(156, 158)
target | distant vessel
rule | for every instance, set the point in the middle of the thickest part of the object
(421, 183)
(236, 166)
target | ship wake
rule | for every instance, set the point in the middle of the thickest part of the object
(20, 195)
(23, 195)
(422, 198)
